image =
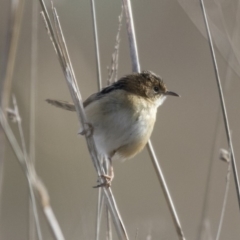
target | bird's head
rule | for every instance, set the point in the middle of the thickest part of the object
(147, 85)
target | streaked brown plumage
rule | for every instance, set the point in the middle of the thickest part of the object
(123, 114)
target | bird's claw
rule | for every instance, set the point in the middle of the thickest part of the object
(88, 130)
(107, 181)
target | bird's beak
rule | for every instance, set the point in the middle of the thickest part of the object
(169, 93)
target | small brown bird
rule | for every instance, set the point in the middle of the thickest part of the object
(123, 115)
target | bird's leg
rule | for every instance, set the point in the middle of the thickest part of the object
(88, 130)
(107, 177)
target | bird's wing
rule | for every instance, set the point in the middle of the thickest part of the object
(70, 106)
(91, 98)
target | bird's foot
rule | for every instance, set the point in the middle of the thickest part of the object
(107, 181)
(88, 130)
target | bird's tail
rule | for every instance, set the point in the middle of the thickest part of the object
(62, 104)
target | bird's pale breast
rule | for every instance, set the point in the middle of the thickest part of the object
(122, 123)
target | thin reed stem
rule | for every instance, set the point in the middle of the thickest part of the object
(33, 205)
(217, 133)
(33, 80)
(95, 31)
(32, 178)
(223, 106)
(99, 81)
(166, 192)
(226, 159)
(113, 71)
(9, 55)
(15, 27)
(99, 213)
(60, 47)
(136, 68)
(109, 226)
(112, 77)
(131, 36)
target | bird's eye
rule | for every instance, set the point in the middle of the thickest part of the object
(156, 89)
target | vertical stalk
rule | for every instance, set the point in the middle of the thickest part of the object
(99, 80)
(131, 36)
(96, 45)
(224, 201)
(223, 106)
(32, 205)
(136, 68)
(7, 66)
(12, 41)
(33, 79)
(59, 44)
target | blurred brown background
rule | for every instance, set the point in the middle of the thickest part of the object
(170, 45)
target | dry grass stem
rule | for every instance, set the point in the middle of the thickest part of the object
(205, 207)
(223, 106)
(33, 73)
(112, 77)
(112, 72)
(99, 213)
(217, 133)
(100, 203)
(131, 35)
(32, 178)
(99, 81)
(136, 68)
(33, 205)
(33, 80)
(12, 36)
(108, 216)
(166, 192)
(53, 223)
(64, 59)
(11, 49)
(207, 233)
(109, 226)
(95, 32)
(224, 156)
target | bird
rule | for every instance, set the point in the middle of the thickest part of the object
(123, 115)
